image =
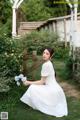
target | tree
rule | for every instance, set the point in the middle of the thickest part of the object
(35, 10)
(59, 7)
(5, 11)
(5, 17)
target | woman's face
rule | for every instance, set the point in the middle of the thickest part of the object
(46, 55)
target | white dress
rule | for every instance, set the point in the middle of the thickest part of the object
(49, 98)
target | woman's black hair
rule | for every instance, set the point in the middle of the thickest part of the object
(51, 51)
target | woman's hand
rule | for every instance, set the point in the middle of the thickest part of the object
(38, 82)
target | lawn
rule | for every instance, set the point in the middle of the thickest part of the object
(10, 102)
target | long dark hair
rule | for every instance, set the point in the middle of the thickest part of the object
(51, 51)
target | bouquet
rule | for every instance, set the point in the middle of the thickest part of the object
(19, 78)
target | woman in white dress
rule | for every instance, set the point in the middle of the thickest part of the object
(46, 95)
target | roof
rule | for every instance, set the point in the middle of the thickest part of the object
(31, 25)
(58, 19)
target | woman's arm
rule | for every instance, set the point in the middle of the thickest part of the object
(39, 82)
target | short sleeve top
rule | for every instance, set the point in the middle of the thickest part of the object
(47, 69)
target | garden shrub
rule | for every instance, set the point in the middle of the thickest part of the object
(61, 52)
(39, 40)
(10, 52)
(5, 29)
(45, 38)
(10, 61)
(68, 73)
(76, 74)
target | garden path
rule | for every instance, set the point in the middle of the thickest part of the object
(70, 90)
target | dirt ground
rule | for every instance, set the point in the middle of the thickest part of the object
(70, 90)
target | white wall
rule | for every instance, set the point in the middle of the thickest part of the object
(60, 30)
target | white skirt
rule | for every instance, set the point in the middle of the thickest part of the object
(48, 99)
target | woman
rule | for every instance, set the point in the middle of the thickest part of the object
(46, 95)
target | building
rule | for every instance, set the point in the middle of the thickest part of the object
(61, 25)
(27, 27)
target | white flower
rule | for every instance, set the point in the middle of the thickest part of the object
(16, 78)
(24, 79)
(12, 54)
(21, 76)
(18, 83)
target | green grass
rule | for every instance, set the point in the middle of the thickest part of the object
(10, 102)
(20, 111)
(17, 110)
